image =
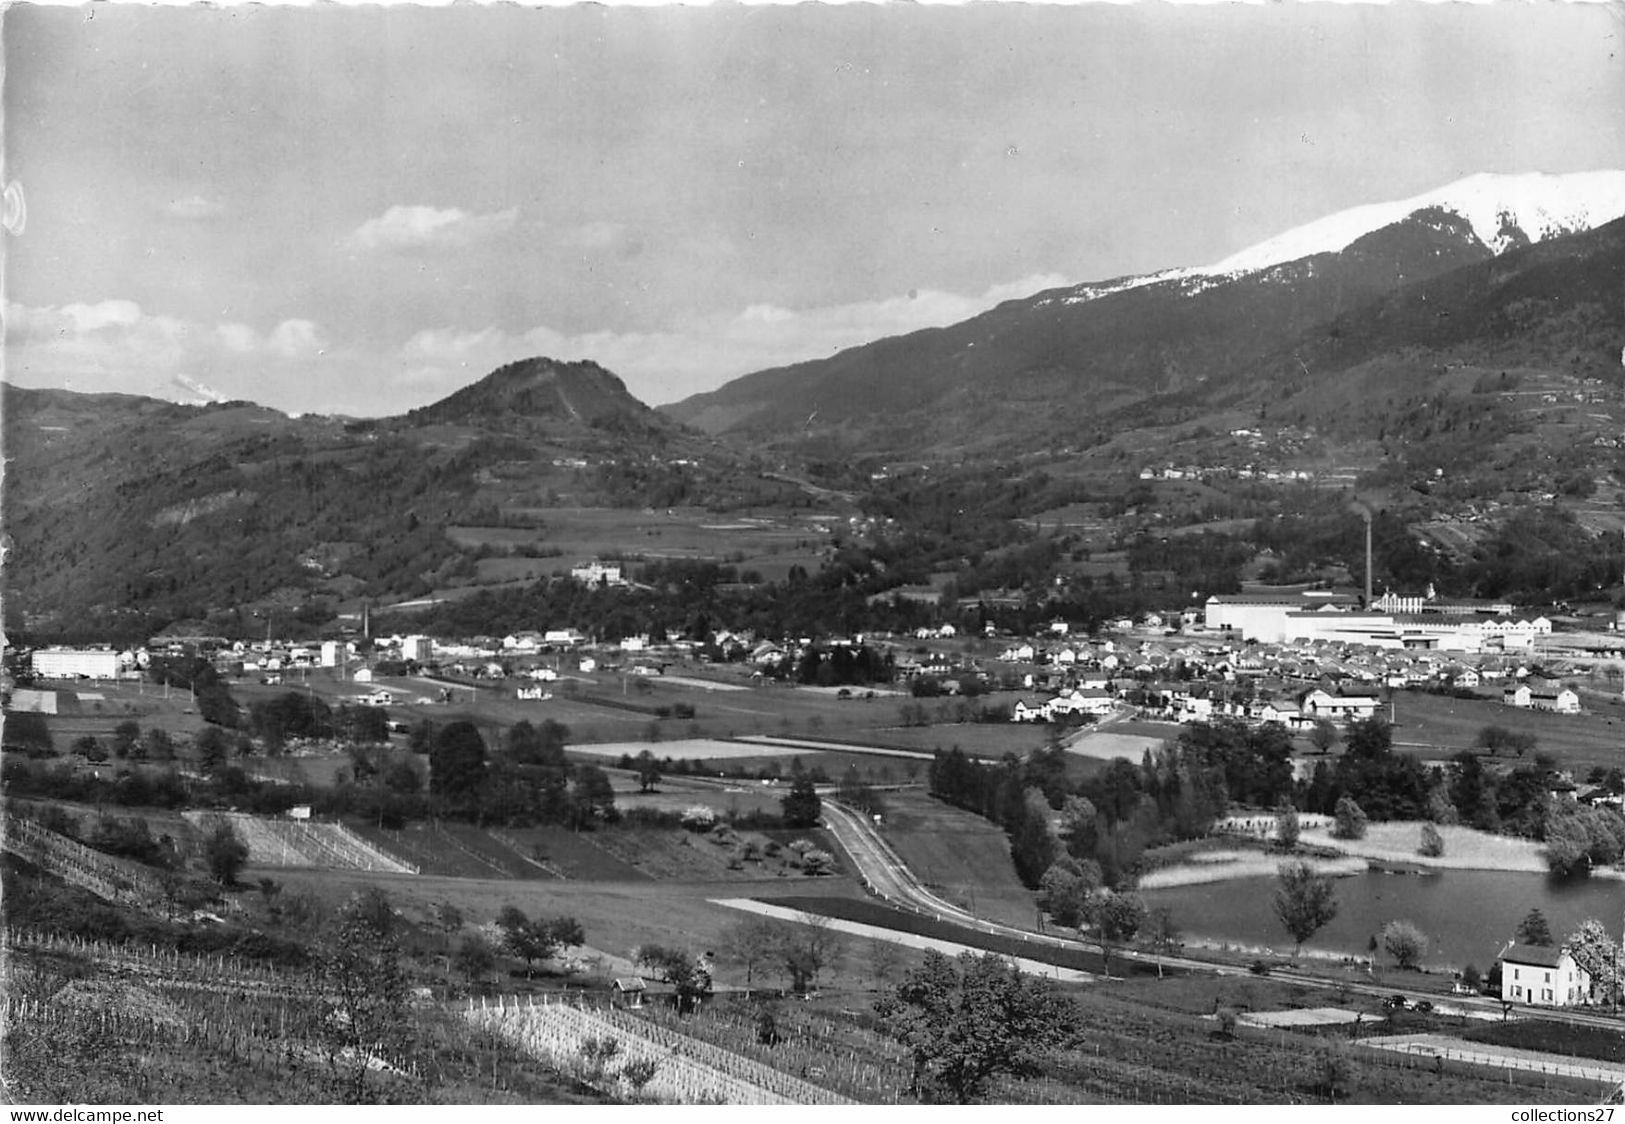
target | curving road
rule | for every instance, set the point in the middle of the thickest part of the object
(888, 877)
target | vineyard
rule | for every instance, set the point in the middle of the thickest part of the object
(302, 843)
(658, 1061)
(166, 966)
(112, 879)
(169, 1028)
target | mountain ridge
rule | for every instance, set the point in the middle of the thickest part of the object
(1129, 340)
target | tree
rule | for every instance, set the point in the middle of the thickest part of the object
(90, 748)
(474, 958)
(363, 990)
(1432, 844)
(529, 940)
(225, 854)
(1162, 932)
(126, 736)
(592, 796)
(1534, 929)
(449, 919)
(1323, 736)
(1287, 827)
(968, 1022)
(1065, 888)
(213, 747)
(158, 745)
(750, 942)
(537, 939)
(801, 805)
(1350, 820)
(1472, 978)
(1493, 739)
(688, 976)
(1304, 901)
(648, 770)
(1116, 919)
(457, 762)
(804, 950)
(1406, 943)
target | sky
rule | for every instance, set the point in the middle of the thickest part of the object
(359, 210)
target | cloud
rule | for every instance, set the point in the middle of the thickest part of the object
(416, 228)
(116, 345)
(296, 339)
(662, 366)
(195, 207)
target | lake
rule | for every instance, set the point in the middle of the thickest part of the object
(1469, 915)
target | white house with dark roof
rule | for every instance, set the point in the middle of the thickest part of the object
(1543, 976)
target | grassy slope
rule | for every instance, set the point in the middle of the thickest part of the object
(961, 856)
(1436, 725)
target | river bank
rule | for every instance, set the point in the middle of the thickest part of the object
(1394, 845)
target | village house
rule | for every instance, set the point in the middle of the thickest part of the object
(1093, 703)
(1543, 977)
(1554, 697)
(1318, 704)
(1025, 711)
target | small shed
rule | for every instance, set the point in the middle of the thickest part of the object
(629, 991)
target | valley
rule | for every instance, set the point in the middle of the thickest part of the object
(503, 748)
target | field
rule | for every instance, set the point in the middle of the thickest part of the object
(961, 857)
(1438, 726)
(1108, 745)
(617, 917)
(769, 543)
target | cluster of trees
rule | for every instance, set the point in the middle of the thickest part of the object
(527, 781)
(295, 716)
(532, 939)
(1580, 837)
(1112, 817)
(843, 665)
(799, 951)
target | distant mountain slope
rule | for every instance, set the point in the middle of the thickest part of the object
(1074, 356)
(543, 392)
(124, 513)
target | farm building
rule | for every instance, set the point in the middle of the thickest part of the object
(1543, 977)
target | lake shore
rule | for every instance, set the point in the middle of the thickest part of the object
(1393, 843)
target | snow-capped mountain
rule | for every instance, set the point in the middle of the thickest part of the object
(1419, 274)
(1503, 210)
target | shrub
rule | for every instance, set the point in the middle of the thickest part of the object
(1350, 819)
(1432, 841)
(1406, 943)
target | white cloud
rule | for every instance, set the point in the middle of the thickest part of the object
(416, 227)
(296, 339)
(663, 366)
(115, 345)
(106, 314)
